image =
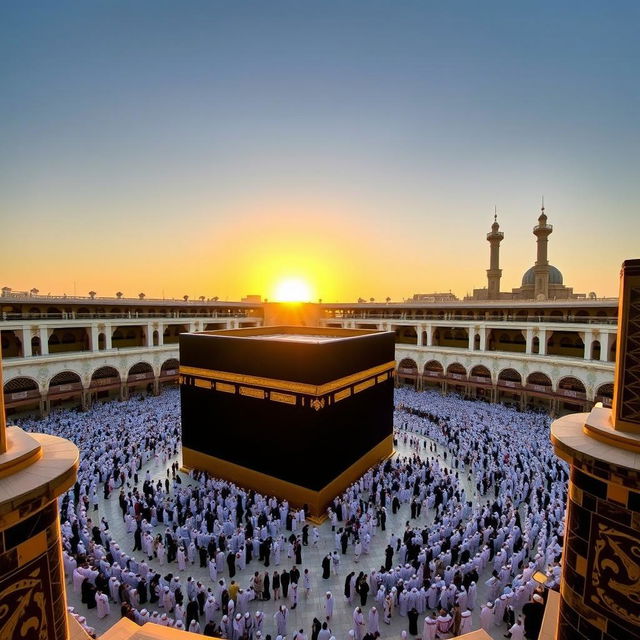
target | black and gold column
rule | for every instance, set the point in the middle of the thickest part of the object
(34, 470)
(600, 587)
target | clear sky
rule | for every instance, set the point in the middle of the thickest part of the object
(214, 148)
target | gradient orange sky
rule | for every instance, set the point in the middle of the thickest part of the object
(218, 149)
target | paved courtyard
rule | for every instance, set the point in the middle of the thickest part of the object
(308, 607)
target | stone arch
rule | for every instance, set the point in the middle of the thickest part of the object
(104, 382)
(433, 367)
(35, 346)
(64, 378)
(510, 375)
(11, 345)
(571, 384)
(169, 371)
(407, 371)
(21, 384)
(23, 392)
(408, 365)
(141, 375)
(105, 372)
(535, 345)
(540, 379)
(172, 364)
(140, 368)
(595, 350)
(480, 371)
(171, 333)
(604, 394)
(455, 369)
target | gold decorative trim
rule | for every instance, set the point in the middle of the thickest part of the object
(23, 451)
(252, 393)
(341, 395)
(286, 385)
(282, 397)
(203, 384)
(33, 547)
(338, 332)
(612, 438)
(364, 385)
(225, 388)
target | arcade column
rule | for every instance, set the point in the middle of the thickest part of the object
(600, 586)
(34, 470)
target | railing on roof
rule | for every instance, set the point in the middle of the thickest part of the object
(459, 318)
(121, 316)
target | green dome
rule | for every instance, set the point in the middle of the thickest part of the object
(555, 277)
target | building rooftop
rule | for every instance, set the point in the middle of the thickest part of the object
(280, 333)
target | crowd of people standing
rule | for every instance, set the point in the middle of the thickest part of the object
(476, 498)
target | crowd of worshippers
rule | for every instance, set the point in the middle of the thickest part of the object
(432, 567)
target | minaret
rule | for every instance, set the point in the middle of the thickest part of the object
(542, 231)
(494, 272)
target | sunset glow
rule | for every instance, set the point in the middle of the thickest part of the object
(343, 146)
(292, 290)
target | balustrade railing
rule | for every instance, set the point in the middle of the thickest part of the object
(571, 319)
(104, 382)
(540, 388)
(65, 388)
(570, 393)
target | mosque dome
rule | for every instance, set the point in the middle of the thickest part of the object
(529, 277)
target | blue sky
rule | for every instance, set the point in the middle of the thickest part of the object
(360, 145)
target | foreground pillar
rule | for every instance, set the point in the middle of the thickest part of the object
(34, 470)
(600, 587)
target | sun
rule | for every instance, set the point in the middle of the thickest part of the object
(292, 290)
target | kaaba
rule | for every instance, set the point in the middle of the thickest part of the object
(295, 412)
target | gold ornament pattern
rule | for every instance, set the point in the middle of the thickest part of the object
(23, 611)
(318, 404)
(615, 572)
(630, 406)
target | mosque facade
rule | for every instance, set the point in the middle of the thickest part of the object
(555, 354)
(539, 345)
(540, 282)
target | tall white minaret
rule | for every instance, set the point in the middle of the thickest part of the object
(494, 272)
(542, 231)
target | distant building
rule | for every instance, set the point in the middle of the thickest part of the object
(252, 299)
(540, 282)
(433, 297)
